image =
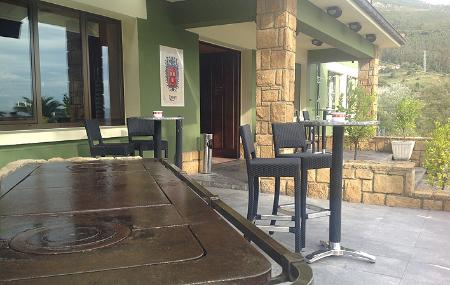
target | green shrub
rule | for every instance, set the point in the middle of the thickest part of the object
(437, 156)
(406, 113)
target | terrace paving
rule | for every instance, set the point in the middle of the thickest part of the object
(412, 246)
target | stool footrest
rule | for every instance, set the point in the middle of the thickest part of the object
(313, 211)
(275, 217)
(282, 229)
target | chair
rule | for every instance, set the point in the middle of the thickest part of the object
(103, 149)
(292, 136)
(270, 167)
(138, 127)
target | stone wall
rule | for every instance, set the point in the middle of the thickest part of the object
(368, 78)
(192, 161)
(369, 182)
(276, 24)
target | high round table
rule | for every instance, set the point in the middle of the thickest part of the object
(333, 247)
(179, 137)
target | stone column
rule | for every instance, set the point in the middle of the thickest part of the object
(368, 78)
(275, 68)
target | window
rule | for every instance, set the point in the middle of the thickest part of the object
(16, 96)
(58, 67)
(105, 67)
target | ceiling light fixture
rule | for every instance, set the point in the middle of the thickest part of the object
(334, 11)
(371, 37)
(316, 42)
(355, 26)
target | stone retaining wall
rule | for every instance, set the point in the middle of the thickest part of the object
(369, 182)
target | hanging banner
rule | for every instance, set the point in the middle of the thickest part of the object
(172, 77)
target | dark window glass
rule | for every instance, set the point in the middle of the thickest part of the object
(105, 71)
(61, 67)
(77, 73)
(16, 96)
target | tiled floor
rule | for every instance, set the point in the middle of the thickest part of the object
(412, 246)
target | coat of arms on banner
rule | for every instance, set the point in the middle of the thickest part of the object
(172, 76)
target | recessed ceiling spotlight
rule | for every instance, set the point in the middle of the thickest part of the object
(355, 26)
(371, 37)
(316, 42)
(334, 11)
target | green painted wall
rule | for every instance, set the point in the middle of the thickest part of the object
(65, 149)
(160, 30)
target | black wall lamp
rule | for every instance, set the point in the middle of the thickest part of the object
(317, 42)
(334, 11)
(355, 26)
(371, 37)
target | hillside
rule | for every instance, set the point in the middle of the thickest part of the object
(426, 27)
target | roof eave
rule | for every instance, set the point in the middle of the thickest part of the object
(380, 20)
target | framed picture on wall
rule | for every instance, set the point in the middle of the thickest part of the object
(172, 77)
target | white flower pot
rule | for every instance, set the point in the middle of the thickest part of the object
(402, 150)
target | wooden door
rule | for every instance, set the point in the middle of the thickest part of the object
(220, 100)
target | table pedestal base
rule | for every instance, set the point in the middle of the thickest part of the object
(335, 249)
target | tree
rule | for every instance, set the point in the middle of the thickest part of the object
(406, 113)
(437, 156)
(388, 99)
(359, 104)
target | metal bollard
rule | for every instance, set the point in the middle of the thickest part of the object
(207, 153)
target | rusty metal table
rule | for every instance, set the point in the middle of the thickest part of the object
(128, 222)
(333, 246)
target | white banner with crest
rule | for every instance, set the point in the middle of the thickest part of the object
(172, 76)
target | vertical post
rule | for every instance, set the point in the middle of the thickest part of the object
(179, 144)
(157, 139)
(276, 22)
(336, 184)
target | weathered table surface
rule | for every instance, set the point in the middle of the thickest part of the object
(118, 222)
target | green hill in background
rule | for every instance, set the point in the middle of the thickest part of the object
(426, 27)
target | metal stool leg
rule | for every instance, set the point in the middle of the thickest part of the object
(256, 197)
(276, 201)
(297, 214)
(304, 191)
(251, 196)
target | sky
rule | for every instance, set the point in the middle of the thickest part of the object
(437, 2)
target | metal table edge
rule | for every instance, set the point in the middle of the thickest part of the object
(294, 266)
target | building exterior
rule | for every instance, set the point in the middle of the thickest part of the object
(244, 61)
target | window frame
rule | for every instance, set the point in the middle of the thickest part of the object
(36, 121)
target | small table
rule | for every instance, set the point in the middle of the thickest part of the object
(333, 247)
(179, 137)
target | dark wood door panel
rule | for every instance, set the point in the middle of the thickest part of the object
(220, 100)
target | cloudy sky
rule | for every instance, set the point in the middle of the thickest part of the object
(438, 2)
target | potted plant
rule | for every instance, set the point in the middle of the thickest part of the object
(406, 113)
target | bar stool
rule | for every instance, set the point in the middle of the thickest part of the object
(292, 136)
(270, 167)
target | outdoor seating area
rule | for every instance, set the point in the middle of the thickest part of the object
(182, 142)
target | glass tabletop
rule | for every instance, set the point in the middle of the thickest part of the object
(338, 123)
